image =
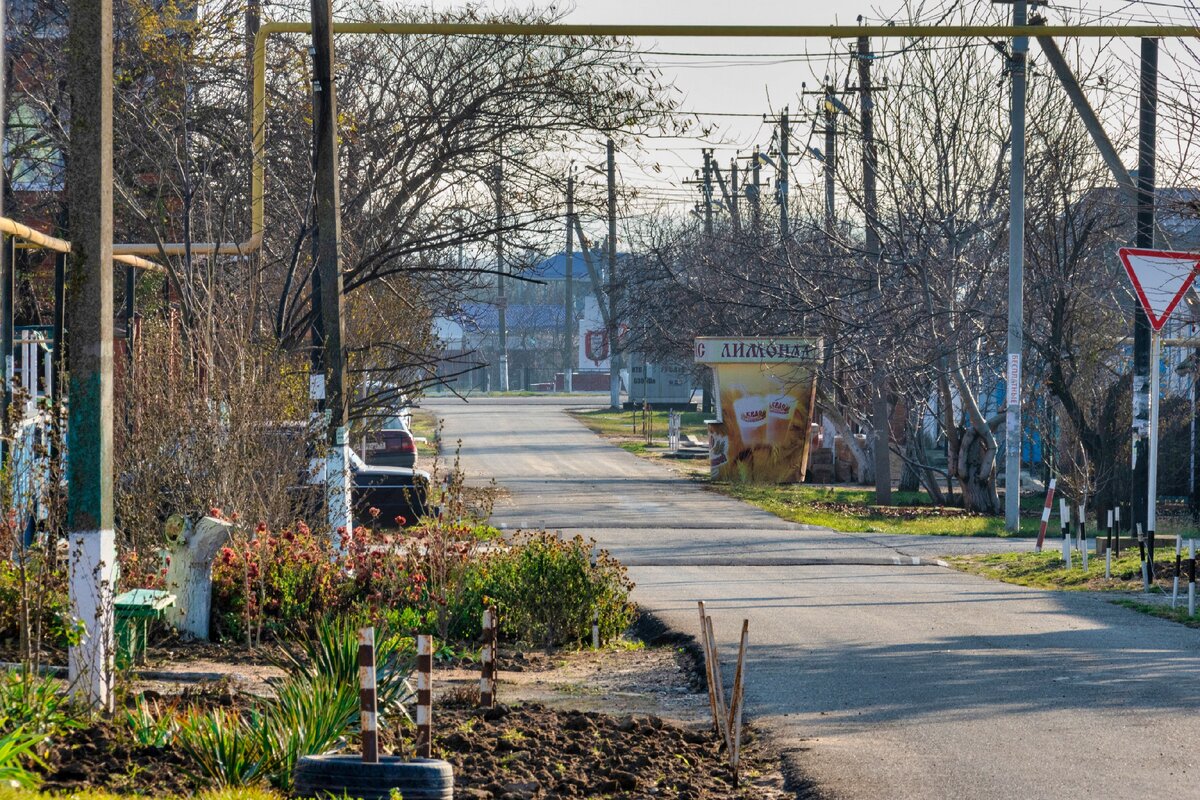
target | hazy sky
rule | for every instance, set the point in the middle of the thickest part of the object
(731, 83)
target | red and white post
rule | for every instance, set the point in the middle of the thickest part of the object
(1046, 509)
(368, 702)
(424, 696)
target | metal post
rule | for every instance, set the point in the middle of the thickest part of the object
(329, 223)
(614, 358)
(58, 355)
(89, 317)
(569, 300)
(756, 191)
(1152, 477)
(130, 312)
(8, 269)
(1143, 500)
(784, 224)
(735, 211)
(1016, 278)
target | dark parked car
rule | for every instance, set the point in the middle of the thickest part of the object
(394, 446)
(395, 491)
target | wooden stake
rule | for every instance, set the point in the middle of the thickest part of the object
(735, 712)
(424, 696)
(718, 684)
(708, 669)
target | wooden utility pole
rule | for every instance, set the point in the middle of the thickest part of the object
(92, 551)
(569, 299)
(329, 227)
(880, 416)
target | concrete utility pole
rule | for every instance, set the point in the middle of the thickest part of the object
(93, 555)
(614, 359)
(1143, 499)
(735, 210)
(501, 300)
(782, 181)
(880, 416)
(569, 300)
(1016, 279)
(329, 226)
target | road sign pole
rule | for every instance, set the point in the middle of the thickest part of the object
(1152, 465)
(1016, 279)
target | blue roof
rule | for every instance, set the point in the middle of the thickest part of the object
(554, 268)
(521, 316)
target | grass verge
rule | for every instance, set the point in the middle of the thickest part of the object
(1045, 570)
(629, 423)
(424, 424)
(850, 509)
(1179, 615)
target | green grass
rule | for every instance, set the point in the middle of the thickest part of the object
(1045, 570)
(8, 793)
(426, 425)
(621, 423)
(850, 509)
(1179, 615)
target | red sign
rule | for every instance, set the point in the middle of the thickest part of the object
(1160, 279)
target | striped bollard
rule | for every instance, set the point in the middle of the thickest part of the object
(424, 696)
(1117, 526)
(1191, 577)
(1178, 565)
(487, 679)
(367, 703)
(1064, 516)
(1046, 509)
(1108, 528)
(1083, 545)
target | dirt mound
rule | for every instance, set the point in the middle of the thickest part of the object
(533, 752)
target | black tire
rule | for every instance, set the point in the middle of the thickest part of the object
(348, 776)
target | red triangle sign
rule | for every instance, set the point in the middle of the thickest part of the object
(1160, 279)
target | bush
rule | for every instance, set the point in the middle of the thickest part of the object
(549, 590)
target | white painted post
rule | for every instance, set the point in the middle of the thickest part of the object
(424, 696)
(93, 560)
(367, 700)
(192, 550)
(1191, 577)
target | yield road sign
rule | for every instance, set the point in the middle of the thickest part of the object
(1160, 278)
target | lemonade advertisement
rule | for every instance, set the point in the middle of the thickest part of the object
(765, 388)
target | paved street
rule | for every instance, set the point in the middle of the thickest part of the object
(876, 678)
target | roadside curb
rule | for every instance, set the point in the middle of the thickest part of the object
(776, 561)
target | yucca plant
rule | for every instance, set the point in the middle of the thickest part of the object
(18, 751)
(149, 725)
(227, 749)
(330, 652)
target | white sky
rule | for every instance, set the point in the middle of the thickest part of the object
(755, 76)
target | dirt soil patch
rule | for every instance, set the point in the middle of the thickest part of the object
(533, 751)
(104, 757)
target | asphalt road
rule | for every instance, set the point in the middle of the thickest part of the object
(875, 678)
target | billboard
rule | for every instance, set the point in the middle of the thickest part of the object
(765, 389)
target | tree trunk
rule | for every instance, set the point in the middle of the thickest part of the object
(977, 473)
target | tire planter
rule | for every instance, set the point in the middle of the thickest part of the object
(348, 776)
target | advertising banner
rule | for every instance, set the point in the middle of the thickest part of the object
(765, 389)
